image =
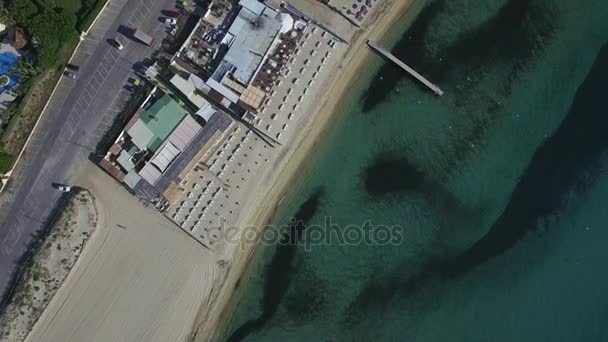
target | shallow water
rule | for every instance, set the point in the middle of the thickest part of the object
(492, 196)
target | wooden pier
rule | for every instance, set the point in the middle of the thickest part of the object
(405, 67)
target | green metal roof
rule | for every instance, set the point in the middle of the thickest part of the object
(162, 118)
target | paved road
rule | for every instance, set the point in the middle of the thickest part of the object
(79, 113)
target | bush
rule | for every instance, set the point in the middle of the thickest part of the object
(6, 160)
(88, 12)
(51, 28)
(23, 10)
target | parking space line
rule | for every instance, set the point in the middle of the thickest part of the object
(89, 93)
(102, 68)
(95, 83)
(140, 12)
(113, 55)
(72, 120)
(67, 132)
(136, 20)
(95, 77)
(80, 106)
(98, 73)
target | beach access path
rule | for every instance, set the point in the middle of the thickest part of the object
(78, 114)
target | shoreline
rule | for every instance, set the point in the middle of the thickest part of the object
(211, 324)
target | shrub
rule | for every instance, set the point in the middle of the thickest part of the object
(6, 161)
(51, 29)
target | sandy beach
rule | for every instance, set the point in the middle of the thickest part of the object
(50, 265)
(140, 277)
(212, 321)
(147, 276)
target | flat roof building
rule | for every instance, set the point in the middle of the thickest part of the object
(253, 31)
(156, 123)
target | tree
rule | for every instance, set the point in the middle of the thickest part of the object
(5, 16)
(25, 70)
(23, 10)
(51, 29)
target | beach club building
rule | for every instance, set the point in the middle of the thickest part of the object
(241, 66)
(157, 144)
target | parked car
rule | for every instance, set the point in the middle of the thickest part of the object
(73, 67)
(173, 14)
(170, 21)
(70, 74)
(63, 187)
(115, 43)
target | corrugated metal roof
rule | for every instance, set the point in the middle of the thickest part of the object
(140, 134)
(223, 90)
(206, 113)
(124, 159)
(165, 156)
(184, 133)
(188, 88)
(162, 118)
(183, 85)
(131, 179)
(150, 173)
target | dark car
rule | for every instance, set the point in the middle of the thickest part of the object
(72, 67)
(172, 14)
(115, 43)
(70, 74)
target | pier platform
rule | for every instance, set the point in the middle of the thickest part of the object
(405, 67)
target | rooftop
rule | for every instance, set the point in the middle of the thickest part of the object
(253, 34)
(160, 119)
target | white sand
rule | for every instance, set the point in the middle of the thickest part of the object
(143, 282)
(50, 266)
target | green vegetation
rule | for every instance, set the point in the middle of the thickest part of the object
(36, 272)
(53, 27)
(87, 12)
(50, 25)
(6, 161)
(5, 16)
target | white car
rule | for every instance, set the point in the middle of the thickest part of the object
(63, 188)
(170, 21)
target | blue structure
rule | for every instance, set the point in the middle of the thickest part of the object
(8, 61)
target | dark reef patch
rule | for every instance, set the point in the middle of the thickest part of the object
(280, 270)
(389, 175)
(565, 162)
(568, 161)
(393, 175)
(307, 301)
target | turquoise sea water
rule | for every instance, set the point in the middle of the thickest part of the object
(498, 191)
